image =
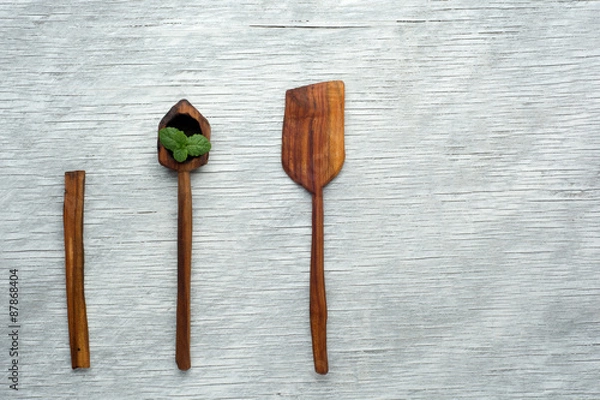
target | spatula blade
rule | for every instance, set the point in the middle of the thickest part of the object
(313, 134)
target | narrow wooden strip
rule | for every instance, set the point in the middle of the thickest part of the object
(76, 310)
(318, 301)
(184, 271)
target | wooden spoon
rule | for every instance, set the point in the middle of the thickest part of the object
(186, 118)
(312, 155)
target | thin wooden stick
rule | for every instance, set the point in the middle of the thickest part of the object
(318, 302)
(184, 271)
(76, 311)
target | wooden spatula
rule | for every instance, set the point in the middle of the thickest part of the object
(186, 118)
(312, 155)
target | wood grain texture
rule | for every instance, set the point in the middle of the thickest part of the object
(312, 154)
(190, 121)
(185, 117)
(184, 271)
(74, 269)
(318, 299)
(312, 150)
(462, 233)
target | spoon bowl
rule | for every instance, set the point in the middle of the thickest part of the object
(187, 119)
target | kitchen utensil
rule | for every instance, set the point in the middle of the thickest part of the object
(312, 155)
(186, 118)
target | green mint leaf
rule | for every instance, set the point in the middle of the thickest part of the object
(173, 139)
(181, 145)
(180, 154)
(197, 145)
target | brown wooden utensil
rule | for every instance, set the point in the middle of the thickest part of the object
(76, 310)
(186, 118)
(312, 155)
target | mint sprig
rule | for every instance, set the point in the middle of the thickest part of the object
(182, 145)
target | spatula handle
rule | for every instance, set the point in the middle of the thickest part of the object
(76, 310)
(318, 302)
(184, 270)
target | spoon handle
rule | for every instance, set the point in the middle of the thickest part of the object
(184, 270)
(76, 311)
(318, 302)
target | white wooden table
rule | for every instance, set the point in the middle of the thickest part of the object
(462, 236)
